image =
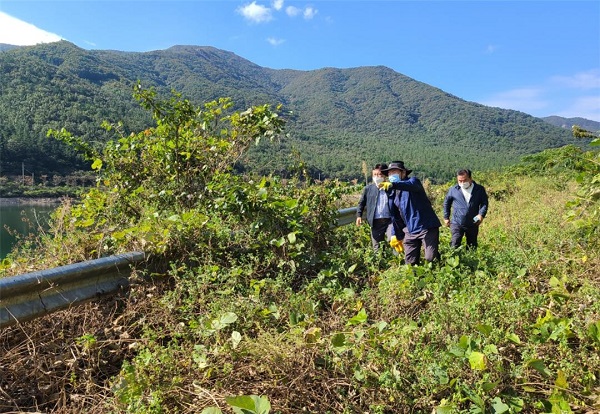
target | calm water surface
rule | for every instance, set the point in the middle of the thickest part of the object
(23, 219)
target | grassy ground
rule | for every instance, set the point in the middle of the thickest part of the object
(513, 327)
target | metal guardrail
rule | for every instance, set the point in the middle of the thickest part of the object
(346, 216)
(31, 295)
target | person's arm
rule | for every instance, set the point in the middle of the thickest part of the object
(483, 204)
(448, 206)
(412, 184)
(361, 206)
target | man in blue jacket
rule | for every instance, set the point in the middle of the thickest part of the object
(375, 202)
(470, 202)
(412, 214)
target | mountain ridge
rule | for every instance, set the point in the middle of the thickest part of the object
(562, 122)
(337, 119)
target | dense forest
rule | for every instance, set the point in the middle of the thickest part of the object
(337, 120)
(568, 123)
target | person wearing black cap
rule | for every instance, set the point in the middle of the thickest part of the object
(470, 202)
(411, 208)
(375, 202)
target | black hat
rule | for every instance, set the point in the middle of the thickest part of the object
(396, 165)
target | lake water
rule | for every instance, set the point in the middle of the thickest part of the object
(21, 218)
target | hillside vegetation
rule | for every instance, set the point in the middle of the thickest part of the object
(337, 118)
(568, 123)
(252, 301)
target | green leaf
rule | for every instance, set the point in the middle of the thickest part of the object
(291, 203)
(539, 366)
(515, 403)
(360, 317)
(484, 329)
(277, 242)
(464, 342)
(381, 325)
(457, 350)
(263, 193)
(488, 386)
(97, 164)
(86, 223)
(477, 361)
(228, 318)
(236, 338)
(241, 403)
(561, 380)
(513, 338)
(292, 237)
(249, 404)
(212, 410)
(339, 339)
(498, 406)
(446, 409)
(442, 375)
(593, 332)
(262, 404)
(312, 335)
(490, 349)
(359, 375)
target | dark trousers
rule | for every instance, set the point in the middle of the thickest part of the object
(428, 238)
(458, 232)
(381, 229)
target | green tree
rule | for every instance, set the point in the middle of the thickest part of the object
(585, 208)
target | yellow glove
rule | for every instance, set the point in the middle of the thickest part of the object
(397, 244)
(385, 185)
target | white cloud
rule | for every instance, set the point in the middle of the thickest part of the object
(255, 13)
(587, 107)
(278, 4)
(309, 13)
(274, 41)
(490, 49)
(549, 99)
(527, 100)
(583, 80)
(258, 13)
(292, 11)
(19, 33)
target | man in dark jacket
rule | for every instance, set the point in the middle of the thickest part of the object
(412, 211)
(375, 202)
(470, 202)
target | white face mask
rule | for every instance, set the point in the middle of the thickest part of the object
(465, 185)
(378, 180)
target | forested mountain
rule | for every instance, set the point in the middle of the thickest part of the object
(4, 46)
(568, 123)
(336, 118)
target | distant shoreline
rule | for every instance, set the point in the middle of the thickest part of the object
(29, 200)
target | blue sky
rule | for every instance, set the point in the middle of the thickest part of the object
(539, 57)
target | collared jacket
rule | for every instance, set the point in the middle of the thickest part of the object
(368, 201)
(410, 207)
(463, 212)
